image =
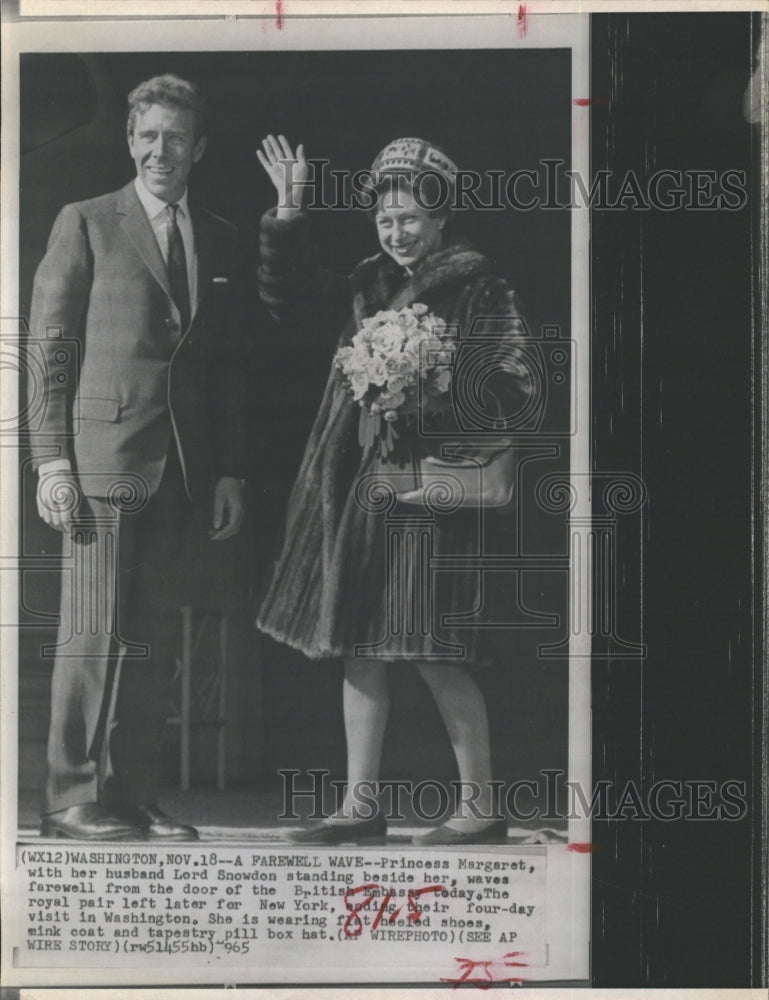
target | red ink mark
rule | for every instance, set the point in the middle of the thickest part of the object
(279, 14)
(416, 914)
(521, 20)
(588, 102)
(353, 925)
(485, 980)
(580, 848)
(468, 966)
(380, 911)
(514, 965)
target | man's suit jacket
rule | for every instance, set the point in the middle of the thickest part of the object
(120, 382)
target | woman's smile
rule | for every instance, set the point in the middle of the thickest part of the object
(407, 232)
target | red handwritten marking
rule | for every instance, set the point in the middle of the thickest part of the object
(469, 965)
(486, 980)
(279, 14)
(353, 925)
(588, 102)
(521, 21)
(416, 914)
(580, 848)
(381, 910)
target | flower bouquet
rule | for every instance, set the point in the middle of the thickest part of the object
(399, 361)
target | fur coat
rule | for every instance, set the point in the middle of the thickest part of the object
(356, 576)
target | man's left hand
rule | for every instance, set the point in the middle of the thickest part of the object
(228, 509)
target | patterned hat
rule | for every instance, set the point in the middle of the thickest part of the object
(413, 156)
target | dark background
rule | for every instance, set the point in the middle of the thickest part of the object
(676, 339)
(497, 110)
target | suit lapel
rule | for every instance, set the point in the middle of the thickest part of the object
(201, 229)
(137, 228)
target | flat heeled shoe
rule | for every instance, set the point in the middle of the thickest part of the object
(366, 831)
(159, 826)
(494, 833)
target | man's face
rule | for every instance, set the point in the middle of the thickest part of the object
(163, 147)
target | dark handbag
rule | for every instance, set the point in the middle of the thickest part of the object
(484, 479)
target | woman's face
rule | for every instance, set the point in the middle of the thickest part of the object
(406, 231)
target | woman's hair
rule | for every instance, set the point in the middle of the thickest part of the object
(172, 92)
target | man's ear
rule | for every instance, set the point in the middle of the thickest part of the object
(200, 148)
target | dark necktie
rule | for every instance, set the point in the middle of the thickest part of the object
(177, 268)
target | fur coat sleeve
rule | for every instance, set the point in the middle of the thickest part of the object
(292, 283)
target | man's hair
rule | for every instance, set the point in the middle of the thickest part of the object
(171, 91)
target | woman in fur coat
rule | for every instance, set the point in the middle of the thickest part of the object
(354, 578)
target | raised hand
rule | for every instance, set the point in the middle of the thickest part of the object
(287, 170)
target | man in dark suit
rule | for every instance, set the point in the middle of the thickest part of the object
(139, 440)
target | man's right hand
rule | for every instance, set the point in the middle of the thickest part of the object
(287, 171)
(58, 495)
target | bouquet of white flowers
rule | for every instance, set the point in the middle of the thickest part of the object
(397, 361)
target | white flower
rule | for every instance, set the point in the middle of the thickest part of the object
(391, 400)
(359, 385)
(384, 316)
(443, 381)
(377, 372)
(390, 352)
(411, 352)
(342, 357)
(437, 327)
(361, 339)
(388, 339)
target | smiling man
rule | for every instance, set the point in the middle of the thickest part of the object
(137, 449)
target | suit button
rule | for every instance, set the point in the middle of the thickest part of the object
(169, 323)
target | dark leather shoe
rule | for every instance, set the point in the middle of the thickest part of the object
(157, 825)
(494, 833)
(365, 831)
(88, 822)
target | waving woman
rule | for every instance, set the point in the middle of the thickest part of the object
(332, 594)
